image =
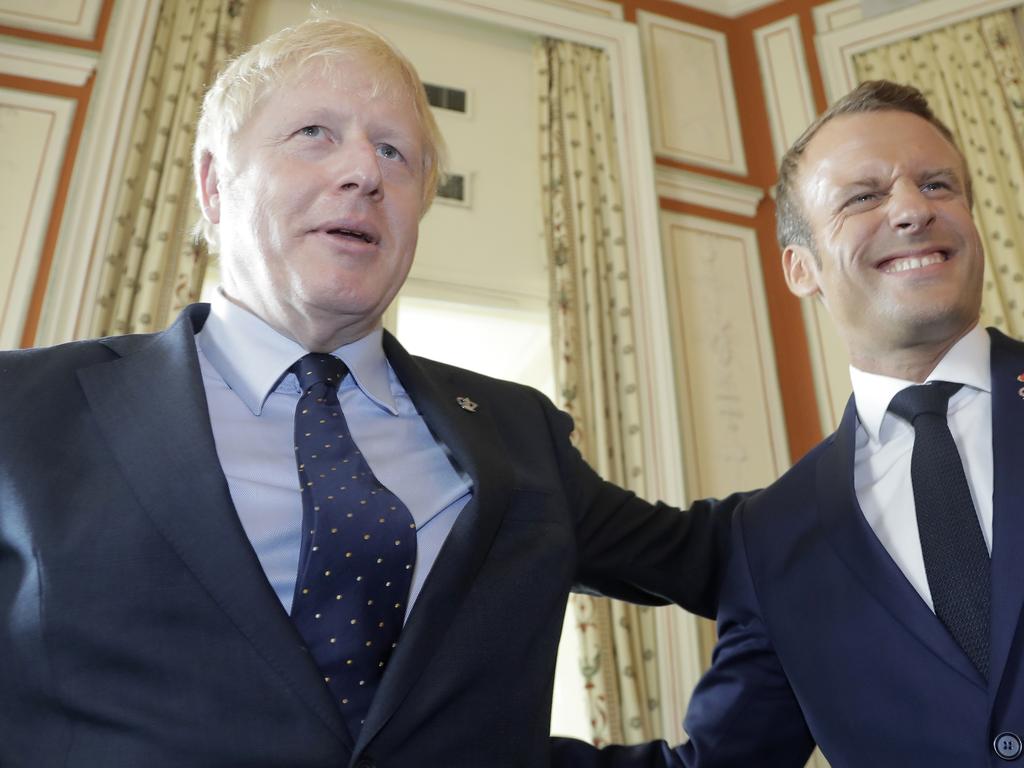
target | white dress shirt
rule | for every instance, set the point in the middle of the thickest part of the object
(884, 443)
(252, 398)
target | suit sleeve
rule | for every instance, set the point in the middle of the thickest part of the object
(630, 549)
(743, 712)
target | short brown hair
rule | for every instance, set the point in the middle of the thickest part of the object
(791, 226)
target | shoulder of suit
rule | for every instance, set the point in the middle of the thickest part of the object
(796, 489)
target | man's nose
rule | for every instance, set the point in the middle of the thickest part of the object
(358, 167)
(910, 209)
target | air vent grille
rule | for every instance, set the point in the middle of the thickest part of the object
(453, 188)
(443, 97)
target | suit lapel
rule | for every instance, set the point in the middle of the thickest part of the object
(168, 457)
(476, 446)
(856, 543)
(1007, 497)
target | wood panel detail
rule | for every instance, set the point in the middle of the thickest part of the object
(53, 65)
(836, 15)
(694, 118)
(77, 19)
(733, 428)
(34, 131)
(707, 191)
(786, 82)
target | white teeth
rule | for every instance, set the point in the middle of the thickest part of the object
(913, 262)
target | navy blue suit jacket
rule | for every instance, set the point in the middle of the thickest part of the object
(137, 628)
(823, 640)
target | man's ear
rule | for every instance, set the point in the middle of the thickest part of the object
(208, 183)
(801, 270)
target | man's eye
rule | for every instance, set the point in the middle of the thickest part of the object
(313, 131)
(934, 186)
(388, 152)
(864, 197)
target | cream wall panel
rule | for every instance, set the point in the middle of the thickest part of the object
(698, 189)
(733, 427)
(830, 364)
(604, 8)
(689, 85)
(55, 65)
(67, 18)
(837, 14)
(786, 82)
(33, 136)
(729, 8)
(88, 215)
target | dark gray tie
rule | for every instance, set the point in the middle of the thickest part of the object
(956, 559)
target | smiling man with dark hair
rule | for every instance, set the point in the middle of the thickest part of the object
(873, 601)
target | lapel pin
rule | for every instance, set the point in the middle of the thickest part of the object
(1021, 378)
(466, 404)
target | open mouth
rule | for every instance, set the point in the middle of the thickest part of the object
(352, 234)
(917, 261)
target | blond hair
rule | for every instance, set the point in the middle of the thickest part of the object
(329, 43)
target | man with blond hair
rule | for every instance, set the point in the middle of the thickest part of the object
(872, 605)
(268, 536)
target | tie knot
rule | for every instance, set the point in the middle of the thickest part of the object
(924, 398)
(316, 368)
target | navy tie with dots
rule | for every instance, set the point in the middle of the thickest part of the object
(956, 560)
(358, 547)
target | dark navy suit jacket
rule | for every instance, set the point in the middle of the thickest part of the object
(137, 627)
(823, 640)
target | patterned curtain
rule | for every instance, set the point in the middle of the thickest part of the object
(152, 268)
(973, 76)
(595, 364)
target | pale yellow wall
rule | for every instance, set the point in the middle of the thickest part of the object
(496, 245)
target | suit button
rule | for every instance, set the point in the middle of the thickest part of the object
(1007, 745)
(365, 762)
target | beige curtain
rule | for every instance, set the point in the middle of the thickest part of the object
(152, 268)
(595, 364)
(973, 76)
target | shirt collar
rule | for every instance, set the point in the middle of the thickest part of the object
(253, 358)
(967, 362)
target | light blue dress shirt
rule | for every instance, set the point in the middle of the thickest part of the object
(252, 398)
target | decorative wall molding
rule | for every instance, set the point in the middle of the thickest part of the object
(604, 8)
(786, 81)
(66, 18)
(693, 104)
(835, 15)
(42, 62)
(830, 364)
(732, 420)
(707, 191)
(837, 49)
(34, 130)
(92, 194)
(728, 8)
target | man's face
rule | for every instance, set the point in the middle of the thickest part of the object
(897, 259)
(318, 204)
